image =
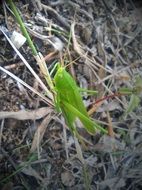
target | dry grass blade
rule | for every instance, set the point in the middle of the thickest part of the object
(26, 85)
(79, 150)
(110, 126)
(94, 108)
(52, 11)
(29, 171)
(43, 67)
(90, 63)
(39, 134)
(26, 114)
(75, 43)
(1, 131)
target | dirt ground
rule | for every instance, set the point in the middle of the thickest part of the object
(101, 42)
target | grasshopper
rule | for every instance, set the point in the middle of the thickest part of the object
(69, 101)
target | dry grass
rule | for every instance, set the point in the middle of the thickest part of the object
(37, 150)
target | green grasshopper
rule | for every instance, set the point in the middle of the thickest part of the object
(69, 101)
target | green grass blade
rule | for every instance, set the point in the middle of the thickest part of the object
(22, 26)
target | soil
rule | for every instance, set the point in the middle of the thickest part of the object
(101, 44)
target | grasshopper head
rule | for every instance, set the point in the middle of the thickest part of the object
(59, 77)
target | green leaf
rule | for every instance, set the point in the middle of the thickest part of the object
(133, 104)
